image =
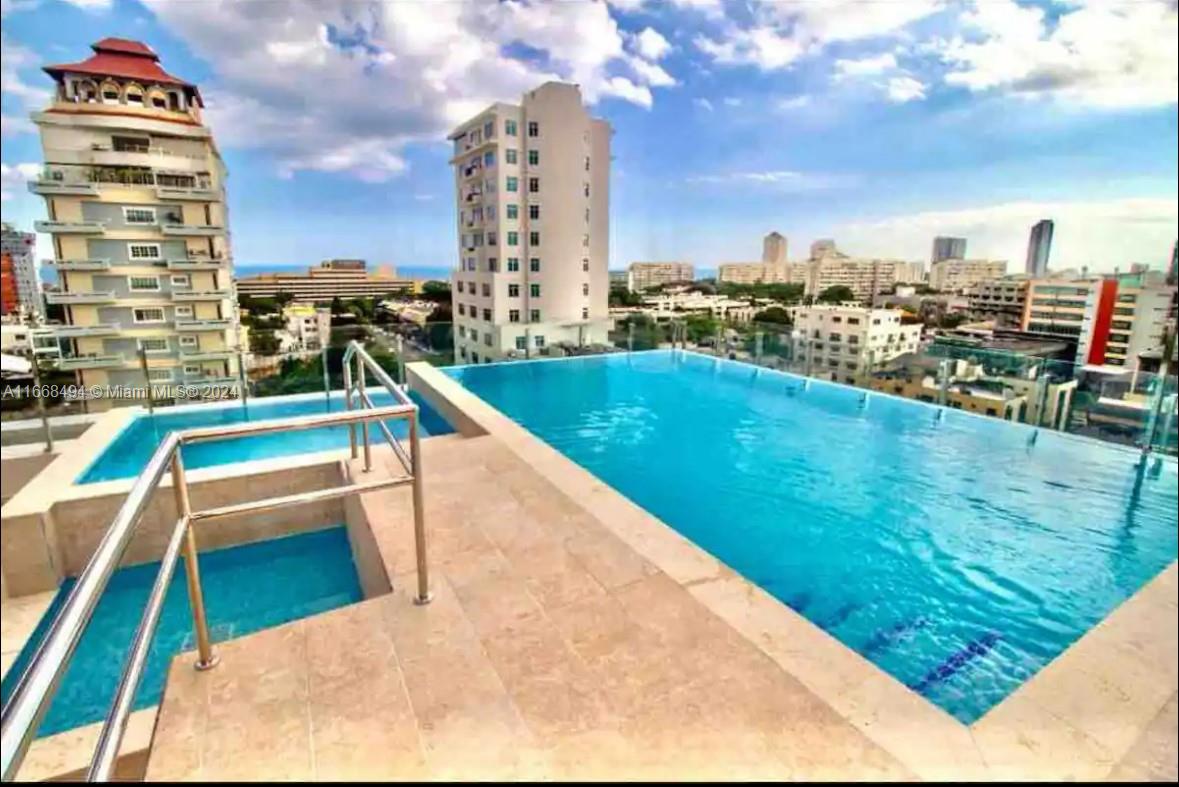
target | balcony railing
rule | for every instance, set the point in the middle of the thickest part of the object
(78, 265)
(75, 331)
(51, 187)
(216, 324)
(96, 361)
(67, 298)
(196, 356)
(200, 230)
(199, 295)
(71, 227)
(192, 193)
(195, 264)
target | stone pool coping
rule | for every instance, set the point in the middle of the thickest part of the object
(1077, 718)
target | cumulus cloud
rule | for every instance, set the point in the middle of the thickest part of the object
(651, 44)
(344, 87)
(902, 89)
(703, 103)
(13, 178)
(1100, 234)
(865, 66)
(19, 96)
(1098, 54)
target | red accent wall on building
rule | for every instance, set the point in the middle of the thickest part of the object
(1106, 299)
(9, 296)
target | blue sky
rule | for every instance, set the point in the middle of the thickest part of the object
(877, 123)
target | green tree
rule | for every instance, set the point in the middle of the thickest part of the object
(837, 294)
(621, 296)
(774, 314)
(700, 327)
(437, 291)
(264, 342)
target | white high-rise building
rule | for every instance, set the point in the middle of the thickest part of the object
(532, 184)
(26, 286)
(846, 342)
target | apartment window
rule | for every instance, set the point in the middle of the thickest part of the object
(584, 313)
(587, 163)
(143, 283)
(183, 311)
(491, 213)
(513, 290)
(533, 128)
(487, 339)
(585, 240)
(459, 286)
(534, 238)
(510, 128)
(180, 280)
(188, 341)
(462, 310)
(533, 158)
(159, 375)
(489, 159)
(585, 265)
(521, 342)
(489, 129)
(491, 239)
(513, 184)
(487, 315)
(534, 290)
(837, 318)
(534, 212)
(513, 211)
(139, 215)
(513, 315)
(853, 320)
(486, 290)
(534, 264)
(143, 251)
(585, 289)
(585, 189)
(153, 345)
(192, 370)
(538, 340)
(513, 264)
(493, 264)
(511, 155)
(513, 239)
(534, 315)
(534, 185)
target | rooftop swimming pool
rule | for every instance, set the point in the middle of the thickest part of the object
(959, 553)
(130, 451)
(247, 588)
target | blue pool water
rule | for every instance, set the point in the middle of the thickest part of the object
(247, 588)
(943, 546)
(130, 451)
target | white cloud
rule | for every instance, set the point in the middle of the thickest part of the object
(344, 87)
(778, 180)
(1100, 234)
(865, 66)
(792, 102)
(91, 5)
(703, 103)
(733, 101)
(651, 44)
(902, 89)
(13, 178)
(776, 33)
(1109, 54)
(19, 97)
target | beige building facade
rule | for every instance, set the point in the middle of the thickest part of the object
(961, 275)
(998, 300)
(644, 275)
(134, 190)
(846, 342)
(532, 186)
(329, 280)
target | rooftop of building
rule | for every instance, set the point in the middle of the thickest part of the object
(121, 58)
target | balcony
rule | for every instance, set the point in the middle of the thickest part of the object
(192, 230)
(54, 187)
(80, 297)
(217, 324)
(182, 193)
(78, 331)
(78, 265)
(89, 362)
(209, 380)
(199, 295)
(71, 227)
(196, 356)
(206, 264)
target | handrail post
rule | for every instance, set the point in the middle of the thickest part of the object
(348, 402)
(419, 517)
(245, 382)
(401, 360)
(327, 384)
(360, 375)
(146, 379)
(206, 659)
(41, 402)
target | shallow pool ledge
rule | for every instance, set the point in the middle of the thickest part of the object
(1098, 710)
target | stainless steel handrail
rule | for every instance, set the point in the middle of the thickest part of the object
(30, 700)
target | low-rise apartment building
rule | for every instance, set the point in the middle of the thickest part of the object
(1122, 325)
(669, 306)
(998, 300)
(864, 277)
(761, 273)
(642, 276)
(1056, 306)
(962, 275)
(20, 287)
(331, 279)
(848, 341)
(308, 328)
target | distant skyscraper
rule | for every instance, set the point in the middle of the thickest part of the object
(947, 248)
(25, 287)
(773, 249)
(823, 247)
(1039, 246)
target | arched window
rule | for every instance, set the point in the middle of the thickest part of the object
(133, 94)
(110, 93)
(174, 101)
(86, 91)
(157, 99)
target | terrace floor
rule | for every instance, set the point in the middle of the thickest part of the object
(555, 650)
(551, 650)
